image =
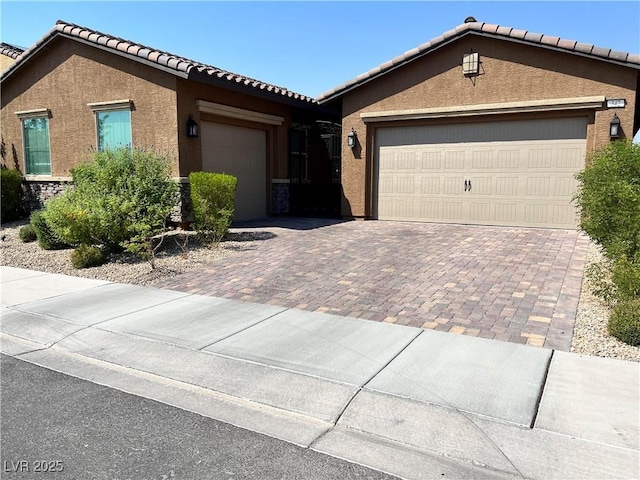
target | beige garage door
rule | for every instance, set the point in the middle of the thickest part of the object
(518, 173)
(241, 152)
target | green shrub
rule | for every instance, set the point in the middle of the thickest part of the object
(609, 199)
(86, 256)
(119, 201)
(12, 196)
(599, 277)
(213, 198)
(47, 238)
(28, 234)
(624, 323)
(625, 275)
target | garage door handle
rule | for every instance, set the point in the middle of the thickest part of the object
(469, 185)
(466, 185)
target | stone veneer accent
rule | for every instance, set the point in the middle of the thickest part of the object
(38, 192)
(183, 211)
(280, 196)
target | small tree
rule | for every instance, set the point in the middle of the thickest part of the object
(120, 201)
(213, 198)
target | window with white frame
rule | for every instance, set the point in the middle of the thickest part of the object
(113, 124)
(35, 141)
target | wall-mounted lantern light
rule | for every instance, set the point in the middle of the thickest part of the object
(352, 138)
(192, 127)
(614, 127)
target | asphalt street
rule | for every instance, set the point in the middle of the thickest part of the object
(55, 426)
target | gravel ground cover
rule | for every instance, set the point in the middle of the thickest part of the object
(590, 332)
(171, 258)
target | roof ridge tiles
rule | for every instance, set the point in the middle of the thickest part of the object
(11, 51)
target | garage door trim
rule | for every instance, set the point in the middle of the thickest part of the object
(238, 113)
(556, 104)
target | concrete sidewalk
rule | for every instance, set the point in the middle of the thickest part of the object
(411, 402)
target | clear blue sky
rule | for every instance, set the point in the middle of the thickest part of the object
(311, 47)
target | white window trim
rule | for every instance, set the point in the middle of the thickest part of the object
(36, 113)
(50, 178)
(126, 104)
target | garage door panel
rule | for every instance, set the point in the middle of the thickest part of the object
(505, 213)
(241, 152)
(455, 160)
(527, 180)
(430, 185)
(452, 185)
(430, 210)
(507, 186)
(480, 185)
(570, 158)
(481, 211)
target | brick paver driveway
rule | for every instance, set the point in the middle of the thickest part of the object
(514, 284)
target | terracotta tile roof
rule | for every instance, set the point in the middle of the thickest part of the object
(9, 50)
(166, 61)
(488, 30)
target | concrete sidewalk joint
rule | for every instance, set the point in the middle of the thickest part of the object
(410, 401)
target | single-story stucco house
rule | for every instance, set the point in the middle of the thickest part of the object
(77, 89)
(484, 124)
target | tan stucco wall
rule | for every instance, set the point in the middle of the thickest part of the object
(67, 75)
(511, 72)
(190, 148)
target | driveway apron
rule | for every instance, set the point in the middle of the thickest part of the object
(519, 285)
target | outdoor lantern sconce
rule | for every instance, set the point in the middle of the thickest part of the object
(614, 127)
(352, 138)
(192, 127)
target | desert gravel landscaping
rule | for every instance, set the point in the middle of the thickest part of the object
(590, 335)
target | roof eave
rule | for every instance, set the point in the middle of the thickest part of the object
(339, 93)
(432, 48)
(241, 87)
(547, 46)
(56, 33)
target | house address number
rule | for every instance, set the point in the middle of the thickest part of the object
(616, 102)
